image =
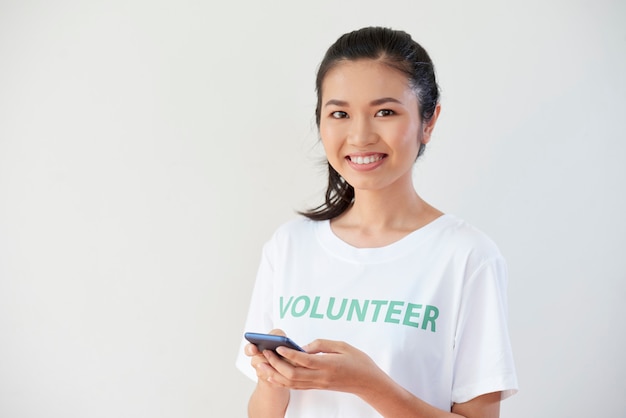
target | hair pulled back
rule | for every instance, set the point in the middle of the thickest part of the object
(396, 49)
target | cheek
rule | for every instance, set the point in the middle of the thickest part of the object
(404, 135)
(333, 155)
(329, 148)
(330, 138)
(414, 133)
(327, 130)
(419, 136)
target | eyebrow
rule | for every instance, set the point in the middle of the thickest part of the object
(376, 102)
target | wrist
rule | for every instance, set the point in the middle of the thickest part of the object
(268, 400)
(270, 389)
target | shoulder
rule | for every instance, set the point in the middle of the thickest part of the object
(291, 238)
(473, 253)
(296, 227)
(467, 239)
(295, 230)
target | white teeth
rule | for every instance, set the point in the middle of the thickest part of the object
(366, 160)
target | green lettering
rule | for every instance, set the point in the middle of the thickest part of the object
(397, 311)
(314, 313)
(411, 312)
(356, 308)
(307, 303)
(329, 311)
(378, 304)
(430, 314)
(392, 310)
(283, 310)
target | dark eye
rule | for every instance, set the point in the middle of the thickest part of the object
(339, 114)
(385, 112)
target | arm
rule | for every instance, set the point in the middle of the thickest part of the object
(344, 368)
(392, 400)
(268, 400)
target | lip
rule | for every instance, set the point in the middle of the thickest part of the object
(350, 158)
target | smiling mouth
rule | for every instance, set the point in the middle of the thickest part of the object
(368, 159)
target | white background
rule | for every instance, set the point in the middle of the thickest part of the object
(149, 148)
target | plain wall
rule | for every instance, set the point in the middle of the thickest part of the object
(149, 148)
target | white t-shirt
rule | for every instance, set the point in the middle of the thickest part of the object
(429, 309)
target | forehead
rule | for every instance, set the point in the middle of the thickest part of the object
(367, 79)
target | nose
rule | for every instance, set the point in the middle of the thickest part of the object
(362, 133)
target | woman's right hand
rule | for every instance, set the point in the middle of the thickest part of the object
(268, 399)
(258, 361)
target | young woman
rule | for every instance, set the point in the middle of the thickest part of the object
(403, 307)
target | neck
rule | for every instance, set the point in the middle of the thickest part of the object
(378, 219)
(397, 208)
(385, 210)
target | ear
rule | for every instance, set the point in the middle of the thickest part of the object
(427, 128)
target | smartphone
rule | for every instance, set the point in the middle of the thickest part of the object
(270, 342)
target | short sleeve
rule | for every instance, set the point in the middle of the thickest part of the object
(483, 355)
(259, 317)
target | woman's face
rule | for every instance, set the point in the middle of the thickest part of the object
(370, 124)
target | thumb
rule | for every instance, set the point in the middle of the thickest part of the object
(324, 346)
(278, 331)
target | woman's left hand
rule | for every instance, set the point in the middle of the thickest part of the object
(330, 365)
(335, 365)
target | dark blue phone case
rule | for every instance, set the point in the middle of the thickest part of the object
(270, 342)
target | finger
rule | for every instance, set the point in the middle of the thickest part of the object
(278, 363)
(257, 360)
(265, 373)
(278, 331)
(295, 357)
(325, 346)
(251, 350)
(286, 373)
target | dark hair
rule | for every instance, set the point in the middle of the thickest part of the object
(396, 49)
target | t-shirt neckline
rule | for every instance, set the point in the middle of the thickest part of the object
(341, 249)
